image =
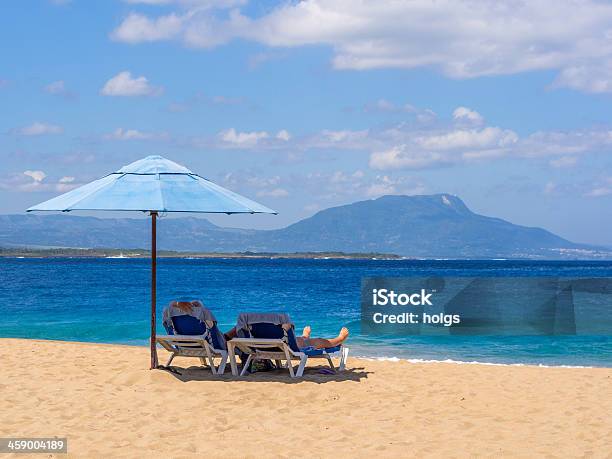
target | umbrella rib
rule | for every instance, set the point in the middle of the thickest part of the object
(161, 193)
(226, 193)
(235, 196)
(98, 189)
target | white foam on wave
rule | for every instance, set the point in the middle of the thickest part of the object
(472, 362)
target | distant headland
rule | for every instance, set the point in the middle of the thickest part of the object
(426, 226)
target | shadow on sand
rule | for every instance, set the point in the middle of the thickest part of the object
(311, 374)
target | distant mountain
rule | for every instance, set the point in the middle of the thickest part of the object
(432, 226)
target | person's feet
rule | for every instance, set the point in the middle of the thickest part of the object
(306, 331)
(343, 333)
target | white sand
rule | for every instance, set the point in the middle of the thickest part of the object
(108, 404)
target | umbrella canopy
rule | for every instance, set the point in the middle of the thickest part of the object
(153, 184)
(156, 185)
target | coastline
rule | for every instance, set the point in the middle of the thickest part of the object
(105, 400)
(354, 355)
(145, 254)
(169, 254)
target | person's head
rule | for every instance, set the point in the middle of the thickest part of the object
(184, 306)
(187, 306)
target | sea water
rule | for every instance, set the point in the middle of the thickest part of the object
(107, 300)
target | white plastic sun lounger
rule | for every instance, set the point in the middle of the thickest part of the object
(195, 342)
(193, 346)
(272, 337)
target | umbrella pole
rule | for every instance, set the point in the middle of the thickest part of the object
(153, 288)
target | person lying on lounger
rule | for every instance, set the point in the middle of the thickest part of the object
(305, 340)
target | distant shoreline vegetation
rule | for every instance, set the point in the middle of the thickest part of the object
(135, 253)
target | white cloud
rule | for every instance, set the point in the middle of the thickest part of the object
(123, 84)
(383, 186)
(134, 134)
(58, 88)
(324, 186)
(242, 138)
(386, 106)
(38, 176)
(66, 183)
(327, 139)
(598, 192)
(605, 189)
(405, 147)
(137, 28)
(37, 128)
(344, 135)
(426, 116)
(225, 100)
(127, 134)
(266, 186)
(275, 193)
(344, 184)
(283, 135)
(178, 107)
(200, 98)
(593, 78)
(381, 105)
(413, 145)
(468, 138)
(462, 39)
(403, 157)
(36, 180)
(251, 179)
(564, 161)
(565, 143)
(466, 115)
(550, 188)
(258, 59)
(339, 177)
(149, 2)
(191, 3)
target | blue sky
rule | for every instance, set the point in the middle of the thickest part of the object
(307, 105)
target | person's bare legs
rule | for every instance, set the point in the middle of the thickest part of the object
(320, 343)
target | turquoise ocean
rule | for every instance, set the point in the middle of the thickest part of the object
(107, 301)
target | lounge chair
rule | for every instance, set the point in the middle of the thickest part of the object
(191, 338)
(272, 337)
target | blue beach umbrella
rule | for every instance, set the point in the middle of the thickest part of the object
(154, 185)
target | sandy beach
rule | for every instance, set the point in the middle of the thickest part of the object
(108, 404)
